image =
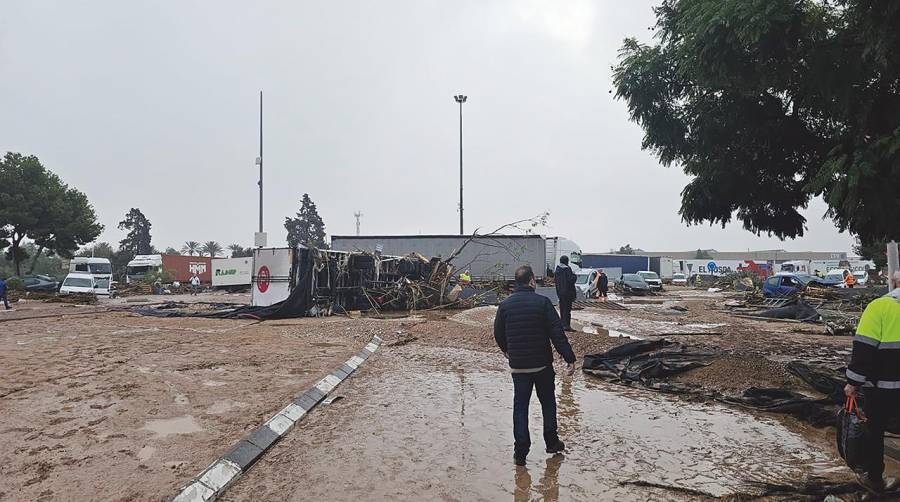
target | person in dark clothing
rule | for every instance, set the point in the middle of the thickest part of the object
(565, 291)
(602, 285)
(525, 327)
(3, 294)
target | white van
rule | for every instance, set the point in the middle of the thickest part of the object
(81, 282)
(98, 267)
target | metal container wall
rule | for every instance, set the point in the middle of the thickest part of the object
(495, 257)
(183, 267)
(231, 271)
(629, 263)
(271, 282)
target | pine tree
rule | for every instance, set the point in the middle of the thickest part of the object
(138, 239)
(307, 228)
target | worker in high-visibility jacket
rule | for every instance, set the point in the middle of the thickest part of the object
(465, 278)
(850, 279)
(875, 367)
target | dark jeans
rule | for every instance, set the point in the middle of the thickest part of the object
(544, 382)
(881, 407)
(5, 302)
(565, 312)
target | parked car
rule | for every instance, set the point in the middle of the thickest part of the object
(42, 283)
(651, 278)
(81, 282)
(783, 285)
(862, 277)
(834, 277)
(633, 284)
(584, 281)
(679, 279)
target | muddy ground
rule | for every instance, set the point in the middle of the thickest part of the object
(103, 404)
(431, 423)
(115, 406)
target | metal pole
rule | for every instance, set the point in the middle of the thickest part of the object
(893, 263)
(260, 162)
(461, 167)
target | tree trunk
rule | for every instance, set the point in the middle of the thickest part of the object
(34, 260)
(17, 239)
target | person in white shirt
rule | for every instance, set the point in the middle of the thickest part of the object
(195, 284)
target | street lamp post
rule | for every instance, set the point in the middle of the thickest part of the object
(460, 98)
(260, 162)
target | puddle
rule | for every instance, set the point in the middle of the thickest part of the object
(595, 330)
(438, 424)
(225, 406)
(168, 426)
(619, 334)
(637, 327)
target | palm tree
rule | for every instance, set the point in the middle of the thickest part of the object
(236, 249)
(212, 248)
(190, 247)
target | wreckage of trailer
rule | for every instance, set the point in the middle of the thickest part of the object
(290, 282)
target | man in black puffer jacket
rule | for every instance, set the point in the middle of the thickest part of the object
(525, 326)
(565, 291)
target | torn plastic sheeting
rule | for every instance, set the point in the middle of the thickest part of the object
(816, 412)
(645, 360)
(798, 311)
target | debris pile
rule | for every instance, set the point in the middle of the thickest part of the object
(650, 363)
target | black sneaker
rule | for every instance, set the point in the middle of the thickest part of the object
(519, 459)
(569, 329)
(874, 486)
(557, 447)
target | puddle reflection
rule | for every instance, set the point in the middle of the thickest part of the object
(547, 487)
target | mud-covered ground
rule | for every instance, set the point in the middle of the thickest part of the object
(429, 423)
(101, 404)
(115, 406)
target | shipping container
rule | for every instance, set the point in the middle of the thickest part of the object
(558, 247)
(662, 266)
(486, 257)
(182, 268)
(629, 263)
(231, 272)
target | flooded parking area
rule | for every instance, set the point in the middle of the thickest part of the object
(425, 423)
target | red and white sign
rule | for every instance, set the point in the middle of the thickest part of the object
(271, 282)
(262, 279)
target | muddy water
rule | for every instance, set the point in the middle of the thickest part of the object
(178, 425)
(436, 424)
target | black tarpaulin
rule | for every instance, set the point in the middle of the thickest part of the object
(297, 304)
(645, 360)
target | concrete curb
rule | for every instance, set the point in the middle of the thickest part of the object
(213, 481)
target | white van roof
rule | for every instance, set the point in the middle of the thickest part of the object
(89, 259)
(80, 275)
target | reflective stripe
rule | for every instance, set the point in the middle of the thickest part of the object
(856, 377)
(889, 345)
(866, 340)
(888, 384)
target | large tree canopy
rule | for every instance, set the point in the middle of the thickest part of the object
(36, 204)
(768, 103)
(307, 228)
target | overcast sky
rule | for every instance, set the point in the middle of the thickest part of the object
(155, 105)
